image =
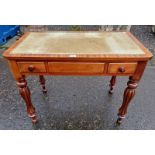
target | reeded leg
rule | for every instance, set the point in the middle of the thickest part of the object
(25, 93)
(112, 83)
(42, 82)
(128, 95)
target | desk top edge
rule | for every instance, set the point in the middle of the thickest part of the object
(147, 54)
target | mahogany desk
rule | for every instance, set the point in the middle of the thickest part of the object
(78, 53)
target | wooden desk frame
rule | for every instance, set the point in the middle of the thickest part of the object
(23, 65)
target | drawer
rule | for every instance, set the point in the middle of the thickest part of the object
(122, 68)
(31, 67)
(76, 67)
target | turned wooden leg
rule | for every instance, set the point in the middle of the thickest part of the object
(25, 93)
(42, 82)
(112, 83)
(128, 95)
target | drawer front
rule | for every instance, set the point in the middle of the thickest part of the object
(31, 67)
(76, 67)
(122, 68)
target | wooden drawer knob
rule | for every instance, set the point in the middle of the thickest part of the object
(31, 68)
(121, 69)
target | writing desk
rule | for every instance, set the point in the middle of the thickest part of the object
(78, 53)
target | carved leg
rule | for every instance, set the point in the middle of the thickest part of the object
(112, 83)
(128, 95)
(42, 82)
(25, 93)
